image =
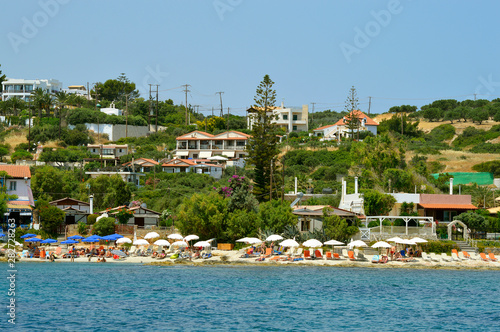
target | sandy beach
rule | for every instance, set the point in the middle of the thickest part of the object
(220, 257)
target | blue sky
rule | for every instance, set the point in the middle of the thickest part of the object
(397, 52)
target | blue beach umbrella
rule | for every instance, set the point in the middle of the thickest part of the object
(76, 237)
(25, 236)
(33, 239)
(2, 234)
(69, 242)
(112, 237)
(92, 238)
(48, 241)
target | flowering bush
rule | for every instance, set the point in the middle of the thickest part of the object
(235, 182)
(123, 215)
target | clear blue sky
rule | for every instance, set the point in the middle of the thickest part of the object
(398, 52)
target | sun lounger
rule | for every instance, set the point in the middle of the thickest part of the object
(483, 257)
(336, 256)
(350, 254)
(454, 251)
(462, 256)
(445, 257)
(426, 257)
(361, 257)
(329, 255)
(317, 254)
(466, 255)
(454, 257)
(307, 254)
(492, 257)
(345, 254)
(375, 259)
(298, 253)
(435, 257)
(269, 252)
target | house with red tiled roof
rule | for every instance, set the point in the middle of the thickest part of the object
(196, 166)
(340, 128)
(201, 145)
(18, 182)
(291, 119)
(143, 165)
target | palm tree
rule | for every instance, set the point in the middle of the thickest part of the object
(42, 100)
(15, 104)
(61, 100)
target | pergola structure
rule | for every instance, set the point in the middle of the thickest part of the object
(406, 219)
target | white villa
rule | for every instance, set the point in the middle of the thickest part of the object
(201, 145)
(21, 88)
(340, 129)
(290, 118)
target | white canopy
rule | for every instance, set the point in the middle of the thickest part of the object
(418, 240)
(394, 239)
(203, 244)
(175, 237)
(123, 240)
(220, 158)
(312, 243)
(162, 242)
(179, 244)
(333, 243)
(152, 235)
(357, 243)
(191, 237)
(381, 244)
(205, 154)
(274, 237)
(253, 240)
(141, 242)
(289, 243)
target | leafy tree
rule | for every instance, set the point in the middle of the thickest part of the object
(451, 116)
(479, 115)
(117, 89)
(241, 223)
(262, 145)
(239, 194)
(42, 101)
(51, 217)
(463, 112)
(433, 114)
(15, 104)
(474, 221)
(204, 215)
(104, 226)
(377, 203)
(2, 77)
(488, 166)
(212, 123)
(21, 155)
(275, 215)
(400, 180)
(337, 228)
(123, 215)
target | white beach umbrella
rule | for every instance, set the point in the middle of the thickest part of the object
(203, 244)
(141, 242)
(243, 239)
(253, 240)
(191, 237)
(220, 158)
(418, 240)
(163, 243)
(394, 239)
(123, 240)
(175, 237)
(357, 243)
(179, 244)
(274, 237)
(312, 243)
(381, 244)
(152, 235)
(289, 243)
(333, 243)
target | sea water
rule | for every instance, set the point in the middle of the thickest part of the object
(133, 297)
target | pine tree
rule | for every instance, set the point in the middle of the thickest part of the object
(262, 146)
(352, 104)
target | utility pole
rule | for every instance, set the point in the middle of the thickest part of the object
(369, 104)
(186, 105)
(227, 121)
(221, 109)
(156, 113)
(29, 125)
(475, 96)
(312, 114)
(212, 111)
(149, 107)
(126, 116)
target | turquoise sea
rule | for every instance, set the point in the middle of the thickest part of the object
(131, 297)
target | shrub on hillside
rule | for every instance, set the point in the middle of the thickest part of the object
(439, 247)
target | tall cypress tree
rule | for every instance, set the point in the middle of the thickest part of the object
(351, 104)
(262, 146)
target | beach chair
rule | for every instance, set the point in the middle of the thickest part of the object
(454, 257)
(466, 255)
(269, 252)
(462, 256)
(483, 257)
(329, 255)
(492, 257)
(317, 254)
(435, 257)
(454, 251)
(307, 254)
(298, 253)
(350, 254)
(345, 254)
(375, 259)
(445, 257)
(426, 257)
(336, 256)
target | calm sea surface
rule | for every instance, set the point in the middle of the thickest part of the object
(128, 297)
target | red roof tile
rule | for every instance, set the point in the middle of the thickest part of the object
(324, 127)
(449, 206)
(360, 115)
(17, 171)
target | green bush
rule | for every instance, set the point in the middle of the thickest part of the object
(105, 226)
(91, 219)
(439, 247)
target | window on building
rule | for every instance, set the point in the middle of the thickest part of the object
(195, 156)
(285, 116)
(120, 150)
(12, 185)
(240, 143)
(295, 117)
(294, 128)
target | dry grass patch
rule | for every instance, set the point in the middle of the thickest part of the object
(461, 161)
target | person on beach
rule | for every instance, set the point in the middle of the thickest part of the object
(393, 251)
(263, 248)
(73, 253)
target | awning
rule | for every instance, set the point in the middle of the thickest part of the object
(205, 154)
(228, 153)
(449, 206)
(182, 153)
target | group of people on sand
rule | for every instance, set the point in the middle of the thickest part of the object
(408, 252)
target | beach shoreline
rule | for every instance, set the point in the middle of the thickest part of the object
(227, 258)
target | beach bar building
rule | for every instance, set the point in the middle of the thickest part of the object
(143, 217)
(18, 182)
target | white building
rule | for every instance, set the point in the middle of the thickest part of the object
(18, 182)
(22, 88)
(111, 110)
(79, 90)
(340, 128)
(201, 145)
(290, 118)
